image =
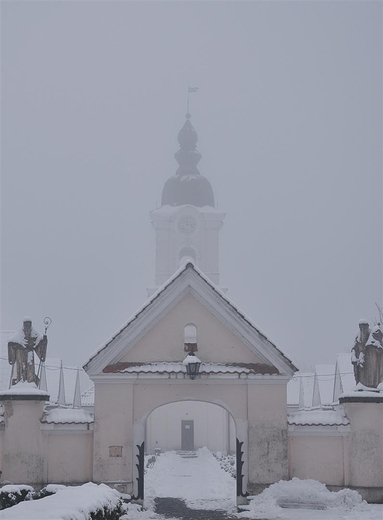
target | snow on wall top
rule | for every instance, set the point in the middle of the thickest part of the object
(24, 388)
(319, 418)
(67, 416)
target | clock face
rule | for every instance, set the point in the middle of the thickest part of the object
(187, 225)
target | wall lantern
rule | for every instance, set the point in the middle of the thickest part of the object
(192, 364)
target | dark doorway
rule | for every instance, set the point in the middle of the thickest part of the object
(187, 435)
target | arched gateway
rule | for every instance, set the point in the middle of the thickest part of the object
(141, 368)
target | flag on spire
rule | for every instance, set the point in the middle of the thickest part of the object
(193, 89)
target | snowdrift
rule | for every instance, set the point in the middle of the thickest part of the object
(85, 502)
(296, 493)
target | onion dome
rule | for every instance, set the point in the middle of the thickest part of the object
(187, 186)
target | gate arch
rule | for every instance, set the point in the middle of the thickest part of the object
(241, 446)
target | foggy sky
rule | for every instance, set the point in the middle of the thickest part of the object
(289, 119)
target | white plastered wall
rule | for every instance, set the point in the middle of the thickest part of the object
(318, 453)
(68, 455)
(165, 341)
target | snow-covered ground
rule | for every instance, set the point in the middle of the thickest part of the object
(199, 481)
(204, 485)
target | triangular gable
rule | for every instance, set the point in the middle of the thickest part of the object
(188, 279)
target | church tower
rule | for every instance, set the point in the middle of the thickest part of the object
(187, 224)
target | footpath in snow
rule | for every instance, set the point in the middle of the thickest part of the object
(203, 484)
(200, 481)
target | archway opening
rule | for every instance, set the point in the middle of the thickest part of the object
(191, 456)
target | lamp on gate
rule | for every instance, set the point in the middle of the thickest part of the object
(192, 364)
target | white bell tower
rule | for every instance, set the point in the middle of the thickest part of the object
(187, 224)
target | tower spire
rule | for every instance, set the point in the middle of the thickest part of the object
(187, 224)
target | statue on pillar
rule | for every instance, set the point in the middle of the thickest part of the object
(22, 348)
(367, 355)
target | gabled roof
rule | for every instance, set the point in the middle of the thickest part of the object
(188, 279)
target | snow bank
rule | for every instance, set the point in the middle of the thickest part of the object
(16, 488)
(54, 488)
(297, 493)
(71, 503)
(11, 495)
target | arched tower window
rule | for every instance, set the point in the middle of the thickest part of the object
(190, 338)
(186, 254)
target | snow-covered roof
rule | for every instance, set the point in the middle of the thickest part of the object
(87, 397)
(319, 418)
(205, 368)
(293, 391)
(62, 415)
(188, 275)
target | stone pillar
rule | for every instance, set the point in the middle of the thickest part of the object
(365, 461)
(23, 461)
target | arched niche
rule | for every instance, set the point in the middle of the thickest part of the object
(190, 338)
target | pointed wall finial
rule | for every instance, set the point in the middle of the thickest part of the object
(43, 379)
(77, 392)
(61, 394)
(301, 395)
